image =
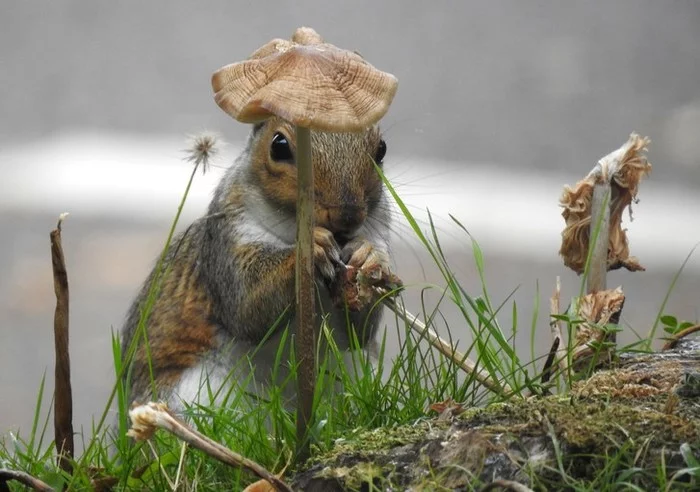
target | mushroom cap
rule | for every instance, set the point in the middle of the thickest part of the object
(307, 82)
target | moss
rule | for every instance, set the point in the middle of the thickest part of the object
(626, 423)
(485, 441)
(592, 424)
(353, 477)
(378, 441)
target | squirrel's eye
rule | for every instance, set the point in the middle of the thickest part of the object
(279, 148)
(381, 152)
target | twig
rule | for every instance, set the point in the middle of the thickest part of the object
(63, 397)
(443, 346)
(24, 479)
(146, 418)
(673, 340)
(551, 357)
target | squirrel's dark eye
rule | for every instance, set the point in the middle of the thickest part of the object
(381, 152)
(279, 148)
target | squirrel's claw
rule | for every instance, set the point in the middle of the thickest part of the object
(373, 263)
(367, 267)
(326, 253)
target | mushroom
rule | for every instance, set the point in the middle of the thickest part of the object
(593, 212)
(307, 82)
(315, 86)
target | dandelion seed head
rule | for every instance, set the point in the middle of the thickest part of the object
(202, 149)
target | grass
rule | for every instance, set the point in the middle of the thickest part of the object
(391, 394)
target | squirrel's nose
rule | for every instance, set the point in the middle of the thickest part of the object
(347, 218)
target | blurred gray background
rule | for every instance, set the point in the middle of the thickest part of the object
(499, 105)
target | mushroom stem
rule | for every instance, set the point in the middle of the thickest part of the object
(600, 234)
(305, 288)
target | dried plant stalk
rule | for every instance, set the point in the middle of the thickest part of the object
(599, 232)
(623, 170)
(24, 479)
(145, 419)
(444, 347)
(557, 353)
(555, 326)
(63, 396)
(673, 340)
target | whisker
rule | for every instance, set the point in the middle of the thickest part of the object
(411, 246)
(420, 176)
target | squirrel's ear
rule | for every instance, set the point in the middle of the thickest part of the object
(257, 127)
(380, 153)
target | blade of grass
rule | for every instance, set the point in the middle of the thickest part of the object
(667, 296)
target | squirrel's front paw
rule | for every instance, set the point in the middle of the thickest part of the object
(326, 253)
(368, 267)
(373, 263)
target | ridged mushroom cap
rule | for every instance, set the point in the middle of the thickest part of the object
(307, 82)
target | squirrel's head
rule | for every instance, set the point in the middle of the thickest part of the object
(348, 187)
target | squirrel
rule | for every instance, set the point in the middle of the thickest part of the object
(228, 287)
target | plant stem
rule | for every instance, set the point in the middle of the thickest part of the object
(444, 347)
(153, 290)
(600, 230)
(305, 335)
(63, 395)
(23, 478)
(146, 418)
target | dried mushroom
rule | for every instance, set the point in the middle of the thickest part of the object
(307, 82)
(623, 169)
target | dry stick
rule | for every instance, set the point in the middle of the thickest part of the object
(443, 346)
(23, 478)
(146, 418)
(63, 398)
(551, 357)
(305, 291)
(675, 338)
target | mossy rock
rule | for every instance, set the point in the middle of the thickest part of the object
(623, 424)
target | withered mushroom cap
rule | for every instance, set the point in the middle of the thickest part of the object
(307, 82)
(624, 168)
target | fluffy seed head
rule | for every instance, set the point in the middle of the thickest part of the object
(202, 149)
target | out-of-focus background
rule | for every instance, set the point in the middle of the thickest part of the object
(499, 105)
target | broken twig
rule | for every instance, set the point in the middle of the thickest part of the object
(551, 357)
(63, 396)
(24, 479)
(444, 347)
(673, 340)
(145, 419)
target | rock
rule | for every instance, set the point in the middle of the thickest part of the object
(640, 413)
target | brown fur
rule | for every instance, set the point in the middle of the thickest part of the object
(189, 319)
